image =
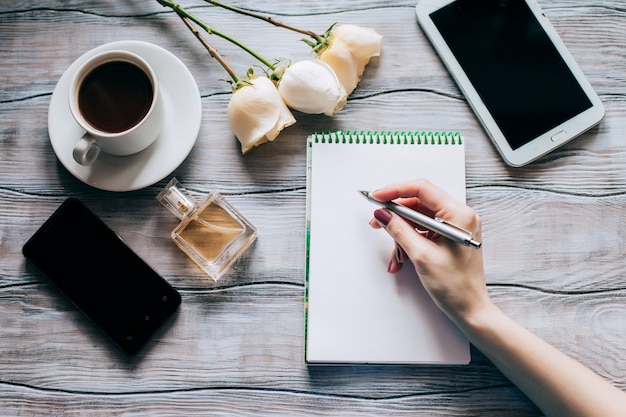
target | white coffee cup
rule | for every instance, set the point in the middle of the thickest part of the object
(114, 96)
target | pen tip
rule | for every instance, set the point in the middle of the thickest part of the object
(364, 193)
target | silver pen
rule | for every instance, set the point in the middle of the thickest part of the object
(436, 224)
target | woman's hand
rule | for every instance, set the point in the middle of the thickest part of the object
(454, 277)
(452, 274)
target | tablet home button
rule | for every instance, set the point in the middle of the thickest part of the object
(559, 136)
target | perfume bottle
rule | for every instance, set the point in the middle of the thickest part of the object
(211, 232)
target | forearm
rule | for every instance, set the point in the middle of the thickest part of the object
(556, 383)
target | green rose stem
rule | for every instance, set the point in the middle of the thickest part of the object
(211, 30)
(319, 39)
(237, 81)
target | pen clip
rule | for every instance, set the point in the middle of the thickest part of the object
(440, 220)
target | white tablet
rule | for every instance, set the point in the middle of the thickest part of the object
(517, 75)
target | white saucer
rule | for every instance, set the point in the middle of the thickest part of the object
(183, 114)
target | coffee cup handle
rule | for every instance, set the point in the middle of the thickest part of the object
(86, 150)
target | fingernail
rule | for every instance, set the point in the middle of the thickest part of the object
(389, 266)
(383, 216)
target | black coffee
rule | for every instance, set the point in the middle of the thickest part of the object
(115, 96)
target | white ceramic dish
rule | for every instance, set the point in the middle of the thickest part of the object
(183, 114)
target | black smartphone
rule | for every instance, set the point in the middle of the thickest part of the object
(101, 275)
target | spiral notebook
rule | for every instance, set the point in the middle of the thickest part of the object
(356, 312)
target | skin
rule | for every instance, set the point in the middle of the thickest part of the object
(454, 277)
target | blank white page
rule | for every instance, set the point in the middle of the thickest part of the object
(356, 311)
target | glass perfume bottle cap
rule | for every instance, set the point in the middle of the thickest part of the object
(175, 198)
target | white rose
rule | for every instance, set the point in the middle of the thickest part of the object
(312, 87)
(349, 50)
(257, 113)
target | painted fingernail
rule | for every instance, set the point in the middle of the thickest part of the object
(383, 216)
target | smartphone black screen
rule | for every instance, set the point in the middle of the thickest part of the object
(513, 65)
(101, 275)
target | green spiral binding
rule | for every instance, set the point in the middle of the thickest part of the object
(389, 137)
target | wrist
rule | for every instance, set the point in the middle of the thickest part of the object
(478, 319)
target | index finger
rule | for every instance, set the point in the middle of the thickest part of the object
(431, 197)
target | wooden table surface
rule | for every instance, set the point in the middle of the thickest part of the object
(554, 231)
